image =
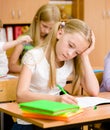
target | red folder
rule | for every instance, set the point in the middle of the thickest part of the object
(17, 31)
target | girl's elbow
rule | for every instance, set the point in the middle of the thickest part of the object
(19, 96)
(14, 68)
(11, 66)
(95, 93)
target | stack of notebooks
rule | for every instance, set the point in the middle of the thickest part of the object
(46, 109)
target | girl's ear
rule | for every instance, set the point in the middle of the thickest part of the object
(60, 33)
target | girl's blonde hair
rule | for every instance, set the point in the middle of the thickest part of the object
(45, 13)
(71, 26)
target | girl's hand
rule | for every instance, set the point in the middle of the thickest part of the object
(66, 98)
(92, 45)
(24, 39)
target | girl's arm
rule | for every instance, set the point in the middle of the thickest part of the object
(22, 40)
(89, 80)
(14, 65)
(24, 94)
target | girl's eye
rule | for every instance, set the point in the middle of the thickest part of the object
(45, 26)
(71, 46)
(77, 53)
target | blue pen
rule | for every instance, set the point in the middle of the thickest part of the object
(61, 89)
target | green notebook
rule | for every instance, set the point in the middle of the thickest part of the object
(48, 107)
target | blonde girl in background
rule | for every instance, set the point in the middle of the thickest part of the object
(42, 23)
(65, 51)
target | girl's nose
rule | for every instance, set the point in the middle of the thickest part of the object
(71, 53)
(47, 30)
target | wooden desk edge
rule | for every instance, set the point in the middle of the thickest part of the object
(10, 108)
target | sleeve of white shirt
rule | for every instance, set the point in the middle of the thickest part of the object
(1, 47)
(28, 60)
(3, 60)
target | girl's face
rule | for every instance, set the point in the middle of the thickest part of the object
(45, 28)
(70, 45)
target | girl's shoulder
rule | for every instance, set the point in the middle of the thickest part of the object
(1, 46)
(36, 51)
(36, 54)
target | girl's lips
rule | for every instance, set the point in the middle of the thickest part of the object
(65, 57)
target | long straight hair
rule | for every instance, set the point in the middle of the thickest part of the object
(71, 26)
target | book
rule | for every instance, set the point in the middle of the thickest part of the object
(9, 33)
(3, 35)
(63, 117)
(17, 31)
(87, 101)
(48, 107)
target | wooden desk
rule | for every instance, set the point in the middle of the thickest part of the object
(8, 88)
(88, 116)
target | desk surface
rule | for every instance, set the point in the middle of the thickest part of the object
(88, 116)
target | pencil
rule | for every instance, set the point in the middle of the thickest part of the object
(61, 89)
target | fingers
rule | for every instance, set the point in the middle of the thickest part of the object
(25, 39)
(66, 98)
(92, 45)
(92, 37)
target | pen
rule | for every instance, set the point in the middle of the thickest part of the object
(61, 89)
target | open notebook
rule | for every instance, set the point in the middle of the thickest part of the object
(91, 101)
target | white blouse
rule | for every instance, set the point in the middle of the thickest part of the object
(3, 61)
(36, 61)
(38, 64)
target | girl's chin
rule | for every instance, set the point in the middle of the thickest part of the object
(62, 60)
